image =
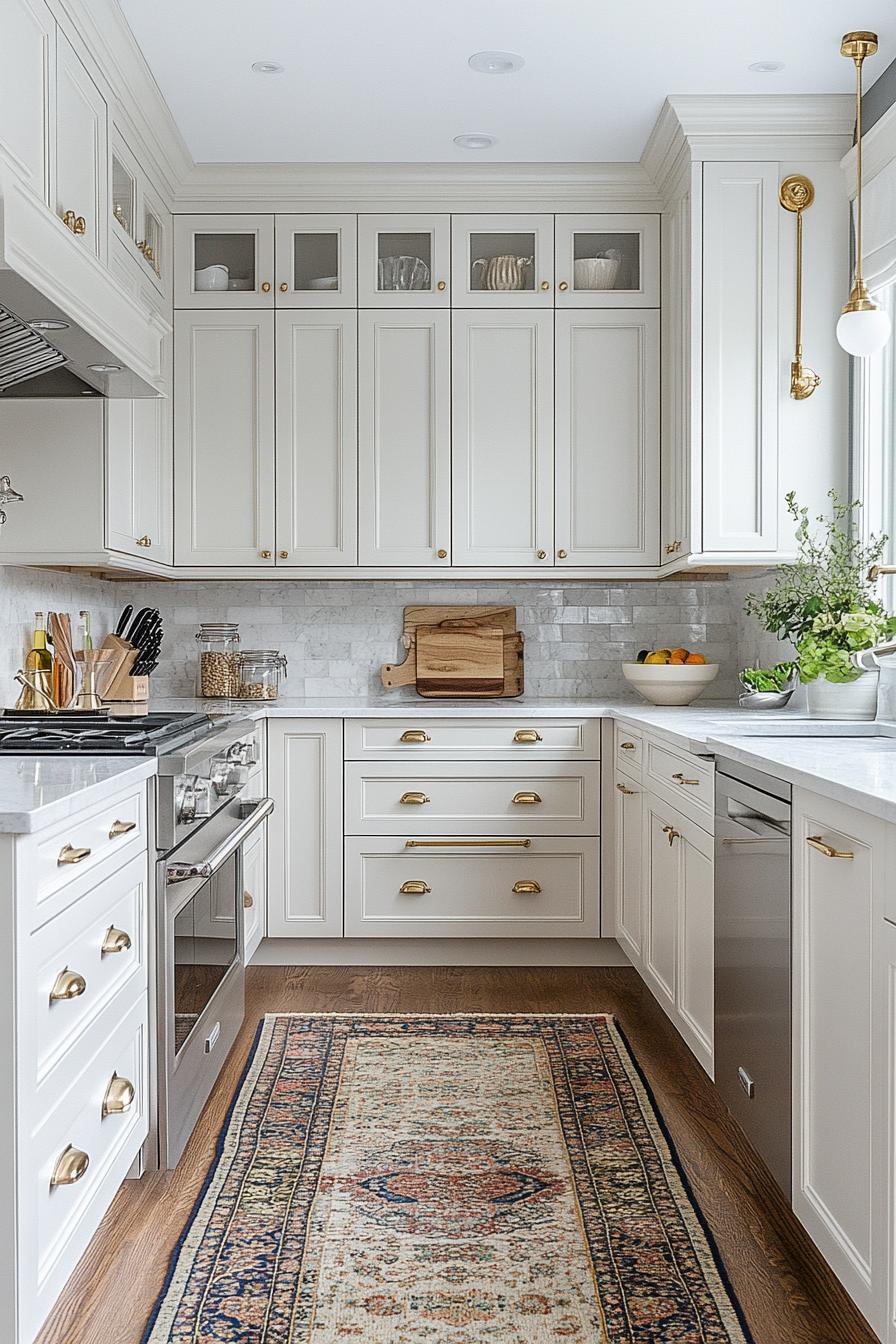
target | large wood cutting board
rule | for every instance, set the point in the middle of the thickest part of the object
(451, 622)
(460, 659)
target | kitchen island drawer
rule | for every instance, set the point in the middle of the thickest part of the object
(629, 749)
(546, 798)
(510, 738)
(688, 777)
(463, 887)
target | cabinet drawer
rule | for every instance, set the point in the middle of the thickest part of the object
(65, 860)
(505, 739)
(692, 780)
(629, 749)
(445, 798)
(548, 888)
(67, 956)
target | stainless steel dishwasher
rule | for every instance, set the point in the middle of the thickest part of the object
(752, 958)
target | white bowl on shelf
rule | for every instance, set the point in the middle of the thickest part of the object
(670, 684)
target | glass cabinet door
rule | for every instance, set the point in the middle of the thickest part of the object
(124, 194)
(151, 241)
(608, 261)
(316, 261)
(224, 261)
(503, 261)
(403, 261)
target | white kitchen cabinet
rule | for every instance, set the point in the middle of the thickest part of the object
(316, 261)
(503, 450)
(662, 894)
(681, 386)
(255, 859)
(236, 251)
(317, 437)
(81, 170)
(305, 830)
(607, 438)
(26, 91)
(224, 438)
(404, 443)
(502, 261)
(629, 887)
(842, 863)
(884, 1066)
(139, 225)
(404, 261)
(607, 261)
(139, 477)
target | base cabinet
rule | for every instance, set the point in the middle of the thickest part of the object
(255, 865)
(629, 826)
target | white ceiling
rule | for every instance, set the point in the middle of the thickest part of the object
(389, 81)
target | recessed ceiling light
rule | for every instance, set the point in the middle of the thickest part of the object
(48, 324)
(104, 368)
(475, 140)
(496, 62)
(766, 67)
(267, 68)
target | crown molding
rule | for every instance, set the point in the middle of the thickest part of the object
(878, 150)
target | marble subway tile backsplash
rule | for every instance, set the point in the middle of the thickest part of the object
(25, 591)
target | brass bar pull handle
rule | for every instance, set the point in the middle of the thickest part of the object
(525, 889)
(119, 1096)
(414, 799)
(466, 844)
(414, 889)
(116, 940)
(526, 798)
(627, 746)
(622, 789)
(70, 1166)
(68, 854)
(681, 779)
(415, 735)
(816, 842)
(67, 985)
(671, 834)
(121, 828)
(526, 736)
(248, 900)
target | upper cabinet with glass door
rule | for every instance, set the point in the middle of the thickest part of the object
(224, 261)
(137, 230)
(316, 261)
(404, 261)
(608, 261)
(503, 261)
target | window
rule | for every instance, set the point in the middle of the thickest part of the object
(874, 463)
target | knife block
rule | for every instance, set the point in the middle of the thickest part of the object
(125, 688)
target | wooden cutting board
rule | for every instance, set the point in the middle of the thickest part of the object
(405, 674)
(460, 659)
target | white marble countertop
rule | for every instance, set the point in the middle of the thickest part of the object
(36, 791)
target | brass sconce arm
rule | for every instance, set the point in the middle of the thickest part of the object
(7, 496)
(796, 194)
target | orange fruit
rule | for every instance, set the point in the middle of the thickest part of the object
(679, 655)
(696, 658)
(676, 661)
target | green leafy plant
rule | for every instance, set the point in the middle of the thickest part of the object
(769, 678)
(824, 602)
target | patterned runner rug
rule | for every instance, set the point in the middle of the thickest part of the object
(444, 1180)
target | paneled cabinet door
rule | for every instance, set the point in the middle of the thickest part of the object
(317, 438)
(138, 477)
(681, 393)
(607, 261)
(224, 261)
(662, 896)
(628, 865)
(839, 1161)
(404, 378)
(503, 451)
(316, 259)
(26, 52)
(885, 1067)
(740, 356)
(502, 261)
(607, 444)
(404, 261)
(305, 829)
(696, 965)
(224, 438)
(81, 165)
(254, 891)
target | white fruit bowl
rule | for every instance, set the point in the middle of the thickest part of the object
(667, 684)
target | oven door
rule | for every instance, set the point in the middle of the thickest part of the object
(201, 966)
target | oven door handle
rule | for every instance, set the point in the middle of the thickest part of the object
(185, 872)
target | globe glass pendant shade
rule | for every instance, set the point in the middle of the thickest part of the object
(863, 333)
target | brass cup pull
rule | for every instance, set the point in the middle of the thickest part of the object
(563, 286)
(525, 889)
(145, 541)
(671, 834)
(119, 1096)
(67, 985)
(816, 842)
(525, 798)
(628, 792)
(526, 736)
(414, 799)
(545, 284)
(414, 889)
(442, 286)
(414, 735)
(116, 940)
(70, 1167)
(682, 779)
(627, 746)
(121, 828)
(248, 900)
(266, 287)
(69, 854)
(284, 288)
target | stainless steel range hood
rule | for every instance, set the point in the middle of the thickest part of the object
(70, 329)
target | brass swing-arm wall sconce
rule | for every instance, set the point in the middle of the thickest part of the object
(796, 194)
(7, 496)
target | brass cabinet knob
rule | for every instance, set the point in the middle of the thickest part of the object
(441, 286)
(561, 555)
(525, 888)
(116, 940)
(121, 828)
(266, 287)
(545, 284)
(414, 799)
(248, 900)
(76, 223)
(265, 555)
(284, 555)
(144, 541)
(80, 226)
(70, 1166)
(119, 1096)
(628, 792)
(526, 798)
(69, 854)
(442, 553)
(415, 735)
(563, 286)
(284, 288)
(67, 985)
(414, 889)
(541, 555)
(527, 735)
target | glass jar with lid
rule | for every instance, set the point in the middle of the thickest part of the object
(260, 673)
(219, 660)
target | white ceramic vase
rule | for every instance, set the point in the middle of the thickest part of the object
(843, 700)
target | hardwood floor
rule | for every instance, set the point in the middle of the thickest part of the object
(788, 1294)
